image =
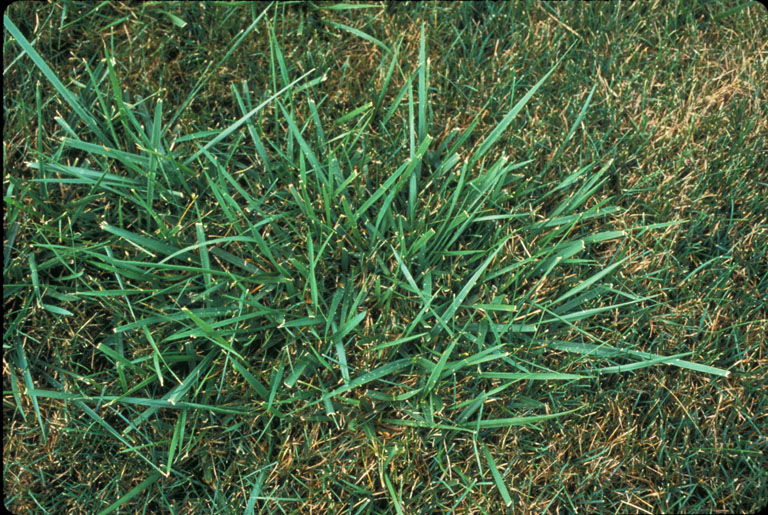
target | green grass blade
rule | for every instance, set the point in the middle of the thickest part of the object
(133, 492)
(568, 136)
(519, 421)
(359, 33)
(311, 157)
(471, 282)
(588, 348)
(67, 95)
(435, 374)
(239, 123)
(423, 86)
(173, 397)
(398, 99)
(368, 377)
(30, 387)
(497, 478)
(211, 332)
(257, 385)
(405, 170)
(533, 376)
(387, 78)
(588, 282)
(494, 136)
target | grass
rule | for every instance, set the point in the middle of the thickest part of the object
(385, 258)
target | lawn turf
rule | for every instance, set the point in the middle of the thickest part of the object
(385, 257)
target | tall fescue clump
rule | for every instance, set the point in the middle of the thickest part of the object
(288, 280)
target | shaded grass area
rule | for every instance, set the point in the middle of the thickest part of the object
(385, 258)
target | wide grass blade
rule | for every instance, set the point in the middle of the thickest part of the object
(371, 376)
(211, 332)
(359, 33)
(133, 492)
(588, 349)
(497, 478)
(30, 387)
(518, 421)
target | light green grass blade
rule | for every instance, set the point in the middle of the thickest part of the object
(423, 87)
(118, 358)
(313, 290)
(618, 369)
(203, 249)
(299, 367)
(177, 440)
(398, 99)
(338, 341)
(305, 148)
(533, 376)
(733, 10)
(16, 393)
(588, 348)
(435, 374)
(277, 377)
(519, 421)
(413, 179)
(173, 397)
(56, 310)
(34, 276)
(489, 354)
(581, 315)
(342, 357)
(603, 236)
(147, 245)
(153, 405)
(89, 177)
(260, 150)
(254, 495)
(425, 299)
(156, 356)
(395, 498)
(349, 326)
(417, 245)
(204, 245)
(157, 128)
(497, 477)
(405, 170)
(591, 185)
(354, 113)
(341, 6)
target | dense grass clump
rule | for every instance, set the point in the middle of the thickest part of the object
(385, 258)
